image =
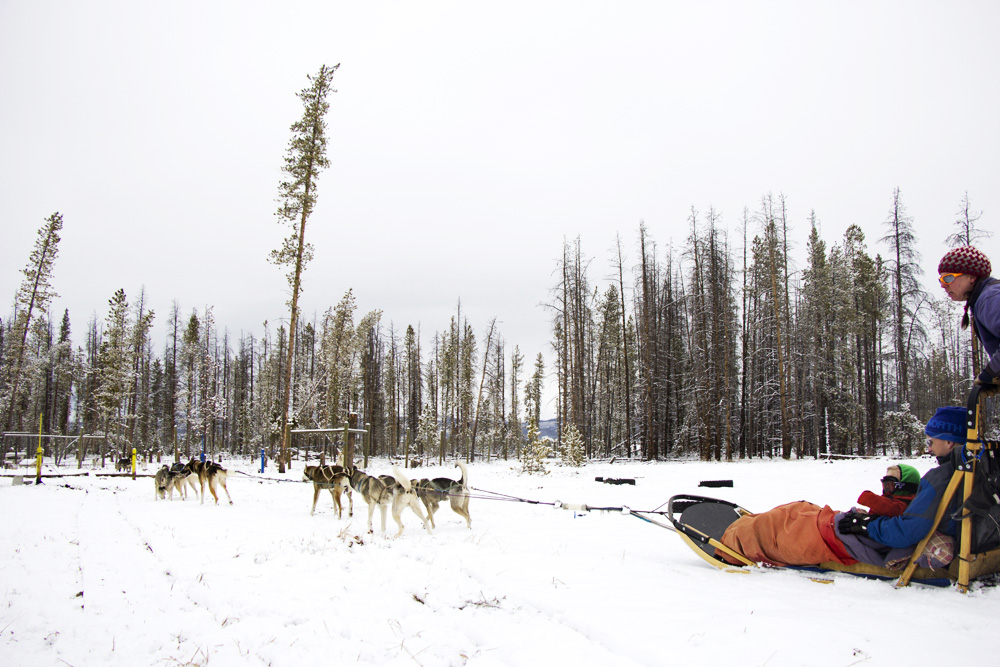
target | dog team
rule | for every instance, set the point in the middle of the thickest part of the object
(390, 492)
(393, 492)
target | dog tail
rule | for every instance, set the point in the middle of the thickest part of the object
(464, 481)
(401, 479)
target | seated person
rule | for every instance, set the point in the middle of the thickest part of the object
(899, 487)
(802, 533)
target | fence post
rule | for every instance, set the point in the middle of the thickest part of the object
(367, 441)
(38, 465)
(262, 460)
(133, 463)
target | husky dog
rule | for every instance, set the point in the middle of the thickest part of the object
(432, 491)
(333, 479)
(123, 464)
(378, 492)
(175, 482)
(160, 480)
(212, 473)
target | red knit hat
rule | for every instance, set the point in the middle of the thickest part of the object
(965, 260)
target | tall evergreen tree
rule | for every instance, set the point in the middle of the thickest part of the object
(304, 160)
(33, 297)
(904, 268)
(967, 231)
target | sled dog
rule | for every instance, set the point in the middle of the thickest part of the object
(334, 480)
(178, 475)
(123, 464)
(212, 473)
(382, 493)
(160, 480)
(432, 491)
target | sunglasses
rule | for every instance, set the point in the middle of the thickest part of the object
(949, 278)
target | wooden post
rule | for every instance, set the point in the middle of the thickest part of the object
(367, 441)
(286, 459)
(133, 463)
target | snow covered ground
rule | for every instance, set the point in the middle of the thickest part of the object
(95, 572)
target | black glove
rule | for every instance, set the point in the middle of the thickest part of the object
(987, 383)
(855, 524)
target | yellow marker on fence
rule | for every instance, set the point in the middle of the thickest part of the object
(133, 463)
(40, 452)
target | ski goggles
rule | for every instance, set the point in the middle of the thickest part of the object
(895, 483)
(949, 278)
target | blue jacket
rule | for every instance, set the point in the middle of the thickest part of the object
(907, 529)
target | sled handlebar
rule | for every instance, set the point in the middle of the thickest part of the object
(972, 418)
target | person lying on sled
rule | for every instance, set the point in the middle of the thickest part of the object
(802, 533)
(899, 487)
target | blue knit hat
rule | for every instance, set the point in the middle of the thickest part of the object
(948, 424)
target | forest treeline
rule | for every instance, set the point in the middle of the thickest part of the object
(719, 347)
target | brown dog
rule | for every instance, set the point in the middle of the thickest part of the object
(212, 473)
(334, 480)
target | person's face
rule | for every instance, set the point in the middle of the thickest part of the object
(959, 288)
(939, 447)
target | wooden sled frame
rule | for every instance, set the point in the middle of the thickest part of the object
(965, 567)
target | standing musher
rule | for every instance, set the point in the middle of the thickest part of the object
(965, 275)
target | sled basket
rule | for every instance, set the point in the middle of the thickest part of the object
(701, 522)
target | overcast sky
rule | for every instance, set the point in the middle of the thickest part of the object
(467, 140)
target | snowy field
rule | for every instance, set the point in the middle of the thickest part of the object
(95, 572)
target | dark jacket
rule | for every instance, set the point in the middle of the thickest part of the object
(984, 304)
(910, 527)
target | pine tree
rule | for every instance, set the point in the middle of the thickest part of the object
(33, 297)
(533, 392)
(337, 348)
(114, 369)
(572, 450)
(904, 267)
(427, 431)
(533, 459)
(966, 231)
(305, 158)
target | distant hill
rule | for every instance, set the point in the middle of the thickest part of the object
(547, 428)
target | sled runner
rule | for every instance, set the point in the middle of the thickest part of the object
(701, 521)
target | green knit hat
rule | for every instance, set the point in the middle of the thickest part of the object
(906, 479)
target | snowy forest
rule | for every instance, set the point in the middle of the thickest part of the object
(719, 347)
(721, 351)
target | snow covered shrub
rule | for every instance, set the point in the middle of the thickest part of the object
(572, 449)
(903, 430)
(534, 455)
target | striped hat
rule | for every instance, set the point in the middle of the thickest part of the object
(965, 260)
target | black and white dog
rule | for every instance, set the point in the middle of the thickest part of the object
(432, 491)
(385, 492)
(179, 474)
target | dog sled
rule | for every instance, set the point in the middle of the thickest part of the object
(701, 521)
